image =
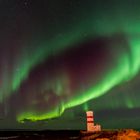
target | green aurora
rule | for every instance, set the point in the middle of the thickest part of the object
(88, 21)
(127, 67)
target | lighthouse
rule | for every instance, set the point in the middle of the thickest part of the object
(91, 127)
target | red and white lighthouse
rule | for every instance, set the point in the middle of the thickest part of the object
(90, 122)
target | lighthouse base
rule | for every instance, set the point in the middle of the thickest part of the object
(94, 128)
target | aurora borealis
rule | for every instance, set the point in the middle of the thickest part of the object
(61, 58)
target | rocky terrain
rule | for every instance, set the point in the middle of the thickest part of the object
(125, 134)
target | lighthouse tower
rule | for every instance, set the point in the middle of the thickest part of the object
(90, 120)
(90, 123)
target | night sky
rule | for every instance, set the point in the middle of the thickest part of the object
(60, 58)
